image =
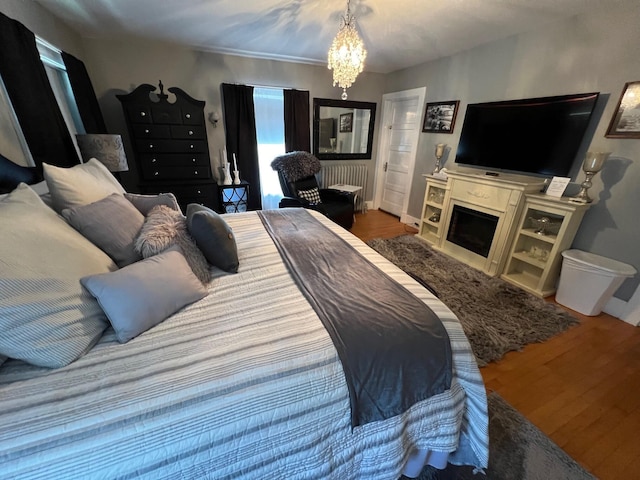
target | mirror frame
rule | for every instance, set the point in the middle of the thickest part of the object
(326, 102)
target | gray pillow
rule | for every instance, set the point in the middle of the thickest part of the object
(164, 228)
(112, 224)
(144, 203)
(142, 295)
(213, 236)
(80, 185)
(46, 318)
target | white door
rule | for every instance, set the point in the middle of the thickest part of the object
(398, 145)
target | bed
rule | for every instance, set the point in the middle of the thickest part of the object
(243, 383)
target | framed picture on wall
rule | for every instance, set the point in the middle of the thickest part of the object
(625, 122)
(346, 122)
(440, 117)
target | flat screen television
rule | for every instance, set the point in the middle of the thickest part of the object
(539, 136)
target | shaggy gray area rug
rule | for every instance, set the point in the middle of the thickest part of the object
(518, 450)
(496, 316)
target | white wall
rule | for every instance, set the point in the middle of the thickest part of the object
(582, 54)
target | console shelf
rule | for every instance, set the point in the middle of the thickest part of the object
(546, 228)
(434, 201)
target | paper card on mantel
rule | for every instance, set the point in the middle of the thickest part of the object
(557, 186)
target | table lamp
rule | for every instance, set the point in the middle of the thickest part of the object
(439, 153)
(107, 149)
(593, 163)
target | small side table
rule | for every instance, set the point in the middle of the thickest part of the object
(234, 198)
(343, 187)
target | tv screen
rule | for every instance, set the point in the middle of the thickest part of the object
(534, 135)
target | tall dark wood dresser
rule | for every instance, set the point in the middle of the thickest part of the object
(169, 141)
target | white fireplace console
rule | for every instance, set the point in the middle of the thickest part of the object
(490, 222)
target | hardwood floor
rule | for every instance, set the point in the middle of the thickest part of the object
(581, 388)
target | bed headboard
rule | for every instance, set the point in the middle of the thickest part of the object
(12, 174)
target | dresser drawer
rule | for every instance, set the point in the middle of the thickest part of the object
(192, 115)
(202, 193)
(171, 146)
(167, 114)
(158, 160)
(187, 131)
(138, 113)
(151, 173)
(151, 131)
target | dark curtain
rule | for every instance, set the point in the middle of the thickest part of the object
(296, 121)
(240, 126)
(84, 94)
(32, 98)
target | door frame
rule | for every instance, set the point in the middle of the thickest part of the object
(383, 143)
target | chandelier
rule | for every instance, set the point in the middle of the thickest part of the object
(347, 53)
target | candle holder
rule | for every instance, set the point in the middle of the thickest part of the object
(439, 153)
(593, 163)
(236, 177)
(227, 174)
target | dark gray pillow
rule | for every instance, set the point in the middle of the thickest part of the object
(213, 236)
(142, 295)
(111, 224)
(144, 203)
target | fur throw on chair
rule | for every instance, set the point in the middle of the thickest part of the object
(165, 227)
(296, 165)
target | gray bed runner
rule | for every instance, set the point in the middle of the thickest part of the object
(393, 348)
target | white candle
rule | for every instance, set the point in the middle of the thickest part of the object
(440, 149)
(235, 165)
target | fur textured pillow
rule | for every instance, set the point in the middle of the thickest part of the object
(296, 165)
(165, 227)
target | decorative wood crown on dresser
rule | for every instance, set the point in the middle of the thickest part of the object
(169, 142)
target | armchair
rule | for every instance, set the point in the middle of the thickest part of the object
(296, 172)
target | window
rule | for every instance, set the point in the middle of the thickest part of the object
(269, 111)
(54, 66)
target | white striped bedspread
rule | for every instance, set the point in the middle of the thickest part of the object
(244, 384)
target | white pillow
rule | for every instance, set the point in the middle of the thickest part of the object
(46, 318)
(80, 185)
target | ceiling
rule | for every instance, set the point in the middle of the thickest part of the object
(397, 33)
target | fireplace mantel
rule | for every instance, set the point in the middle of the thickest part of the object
(466, 210)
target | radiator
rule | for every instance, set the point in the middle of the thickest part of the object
(355, 174)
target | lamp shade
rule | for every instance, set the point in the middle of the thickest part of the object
(107, 149)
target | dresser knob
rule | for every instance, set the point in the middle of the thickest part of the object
(146, 130)
(153, 160)
(155, 173)
(143, 114)
(151, 145)
(190, 132)
(188, 115)
(199, 192)
(195, 172)
(190, 146)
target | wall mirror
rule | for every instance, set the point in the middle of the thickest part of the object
(342, 129)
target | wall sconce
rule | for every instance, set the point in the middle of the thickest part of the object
(107, 149)
(214, 117)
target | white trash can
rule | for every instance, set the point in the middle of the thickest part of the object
(588, 281)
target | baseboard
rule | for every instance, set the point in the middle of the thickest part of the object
(622, 310)
(411, 221)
